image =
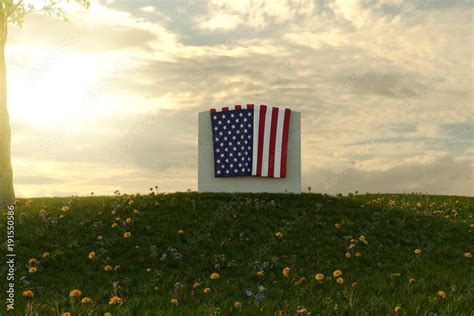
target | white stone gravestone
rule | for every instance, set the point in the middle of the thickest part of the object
(208, 183)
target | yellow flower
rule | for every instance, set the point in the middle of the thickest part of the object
(319, 277)
(278, 234)
(117, 219)
(467, 255)
(411, 281)
(417, 251)
(128, 220)
(397, 309)
(91, 255)
(32, 261)
(28, 293)
(100, 237)
(471, 225)
(107, 268)
(358, 254)
(441, 294)
(207, 290)
(75, 293)
(127, 235)
(348, 255)
(174, 301)
(286, 271)
(180, 232)
(215, 276)
(340, 281)
(353, 241)
(354, 285)
(61, 216)
(114, 225)
(116, 267)
(32, 270)
(114, 300)
(45, 255)
(130, 202)
(66, 314)
(300, 281)
(337, 273)
(237, 304)
(65, 208)
(86, 300)
(352, 246)
(107, 314)
(260, 273)
(136, 211)
(338, 226)
(148, 269)
(113, 212)
(363, 239)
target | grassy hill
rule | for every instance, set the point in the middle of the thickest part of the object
(221, 254)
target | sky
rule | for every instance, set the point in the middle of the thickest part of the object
(109, 100)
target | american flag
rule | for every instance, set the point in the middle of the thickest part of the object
(250, 141)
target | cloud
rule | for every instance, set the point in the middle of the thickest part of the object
(97, 30)
(382, 90)
(434, 177)
(253, 14)
(148, 9)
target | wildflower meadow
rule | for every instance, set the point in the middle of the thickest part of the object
(244, 254)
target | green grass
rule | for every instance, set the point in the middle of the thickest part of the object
(234, 235)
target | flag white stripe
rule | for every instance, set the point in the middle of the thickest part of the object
(230, 108)
(266, 141)
(279, 138)
(256, 120)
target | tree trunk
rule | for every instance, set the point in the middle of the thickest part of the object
(7, 194)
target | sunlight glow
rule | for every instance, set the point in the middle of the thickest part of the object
(63, 91)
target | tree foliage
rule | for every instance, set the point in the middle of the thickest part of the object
(15, 11)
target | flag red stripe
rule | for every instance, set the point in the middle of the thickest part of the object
(250, 106)
(261, 135)
(226, 108)
(284, 143)
(273, 131)
(238, 107)
(213, 110)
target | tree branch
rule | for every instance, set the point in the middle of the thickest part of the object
(15, 7)
(10, 19)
